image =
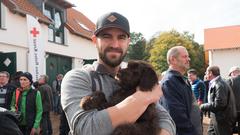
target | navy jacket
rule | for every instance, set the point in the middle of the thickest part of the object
(177, 99)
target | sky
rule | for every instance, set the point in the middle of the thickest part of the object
(150, 17)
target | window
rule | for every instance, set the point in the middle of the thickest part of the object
(83, 26)
(56, 30)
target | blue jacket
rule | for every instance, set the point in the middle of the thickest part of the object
(198, 88)
(177, 100)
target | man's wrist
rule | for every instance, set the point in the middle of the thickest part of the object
(141, 96)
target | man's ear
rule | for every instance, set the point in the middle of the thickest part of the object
(94, 39)
(129, 40)
(173, 59)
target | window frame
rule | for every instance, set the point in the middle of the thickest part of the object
(53, 28)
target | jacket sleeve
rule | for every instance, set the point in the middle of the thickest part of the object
(174, 101)
(13, 103)
(165, 120)
(77, 84)
(39, 110)
(202, 90)
(219, 101)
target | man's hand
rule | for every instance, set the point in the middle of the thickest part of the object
(164, 132)
(34, 131)
(200, 102)
(152, 96)
(134, 106)
(204, 107)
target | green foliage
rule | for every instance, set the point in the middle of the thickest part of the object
(136, 50)
(166, 40)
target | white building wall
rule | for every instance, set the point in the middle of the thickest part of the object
(225, 59)
(14, 39)
(21, 55)
(16, 30)
(76, 46)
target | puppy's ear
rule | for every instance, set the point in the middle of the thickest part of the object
(133, 64)
(148, 80)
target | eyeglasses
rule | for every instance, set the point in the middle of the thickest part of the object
(3, 76)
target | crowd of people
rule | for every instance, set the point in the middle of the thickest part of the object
(181, 101)
(214, 96)
(30, 103)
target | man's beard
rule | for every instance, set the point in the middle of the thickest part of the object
(112, 62)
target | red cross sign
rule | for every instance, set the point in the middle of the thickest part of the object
(34, 32)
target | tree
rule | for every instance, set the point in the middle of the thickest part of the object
(137, 46)
(167, 40)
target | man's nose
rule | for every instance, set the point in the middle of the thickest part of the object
(115, 42)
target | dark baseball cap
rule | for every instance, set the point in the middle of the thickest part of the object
(112, 20)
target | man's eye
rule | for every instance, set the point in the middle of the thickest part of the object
(122, 37)
(105, 36)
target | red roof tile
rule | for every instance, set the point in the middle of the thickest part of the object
(24, 7)
(79, 24)
(222, 37)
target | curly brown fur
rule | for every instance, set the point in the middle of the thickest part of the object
(137, 73)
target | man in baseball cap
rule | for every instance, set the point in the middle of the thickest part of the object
(111, 38)
(112, 20)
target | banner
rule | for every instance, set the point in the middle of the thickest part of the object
(36, 48)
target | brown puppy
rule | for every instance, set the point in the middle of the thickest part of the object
(137, 73)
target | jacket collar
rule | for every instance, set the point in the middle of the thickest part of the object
(213, 81)
(175, 73)
(179, 76)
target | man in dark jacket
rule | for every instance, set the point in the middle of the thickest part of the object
(56, 90)
(178, 97)
(6, 90)
(221, 104)
(234, 82)
(46, 93)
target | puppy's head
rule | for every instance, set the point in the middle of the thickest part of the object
(137, 73)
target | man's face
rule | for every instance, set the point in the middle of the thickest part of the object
(182, 60)
(192, 77)
(41, 80)
(59, 77)
(208, 75)
(235, 73)
(24, 82)
(112, 44)
(3, 79)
